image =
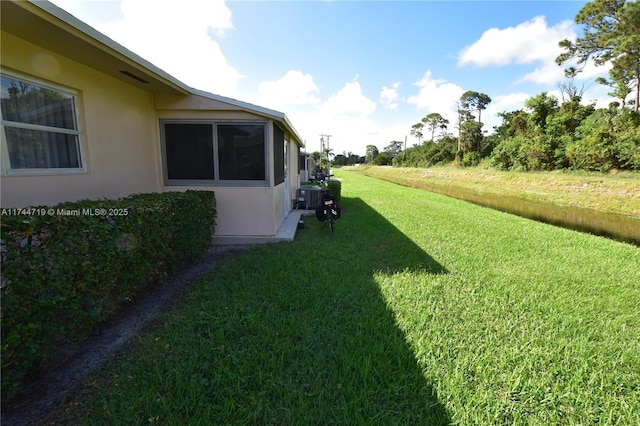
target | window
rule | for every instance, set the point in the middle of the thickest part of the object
(241, 152)
(210, 152)
(189, 151)
(278, 155)
(39, 127)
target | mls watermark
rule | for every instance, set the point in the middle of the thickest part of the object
(40, 211)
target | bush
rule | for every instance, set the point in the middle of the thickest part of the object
(335, 187)
(470, 159)
(537, 154)
(505, 156)
(594, 152)
(66, 268)
(628, 149)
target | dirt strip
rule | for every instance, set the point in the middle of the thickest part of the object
(72, 365)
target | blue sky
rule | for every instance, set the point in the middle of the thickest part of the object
(361, 71)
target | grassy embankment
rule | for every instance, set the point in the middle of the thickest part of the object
(419, 309)
(606, 193)
(595, 203)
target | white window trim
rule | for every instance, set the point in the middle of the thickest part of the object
(5, 164)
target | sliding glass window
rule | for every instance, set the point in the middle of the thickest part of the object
(215, 153)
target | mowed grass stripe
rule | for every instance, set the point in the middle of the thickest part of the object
(419, 309)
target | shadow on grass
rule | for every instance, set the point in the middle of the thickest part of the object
(347, 361)
(292, 333)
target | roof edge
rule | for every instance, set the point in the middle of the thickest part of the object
(104, 40)
(280, 116)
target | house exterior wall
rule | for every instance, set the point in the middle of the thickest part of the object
(119, 126)
(285, 193)
(118, 136)
(241, 211)
(294, 169)
(251, 211)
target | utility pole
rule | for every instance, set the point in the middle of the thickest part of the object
(324, 149)
(404, 157)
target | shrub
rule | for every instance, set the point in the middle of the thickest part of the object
(505, 156)
(594, 151)
(470, 159)
(66, 268)
(627, 149)
(335, 187)
(537, 153)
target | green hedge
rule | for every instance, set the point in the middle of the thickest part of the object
(335, 187)
(66, 268)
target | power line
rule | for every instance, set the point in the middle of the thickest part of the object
(324, 149)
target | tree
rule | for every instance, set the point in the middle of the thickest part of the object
(618, 81)
(569, 89)
(463, 116)
(475, 101)
(394, 148)
(416, 131)
(514, 123)
(382, 159)
(428, 154)
(470, 135)
(340, 160)
(371, 153)
(611, 35)
(345, 158)
(328, 153)
(435, 121)
(541, 106)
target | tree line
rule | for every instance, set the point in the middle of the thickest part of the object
(548, 133)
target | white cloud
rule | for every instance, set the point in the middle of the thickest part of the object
(348, 116)
(437, 95)
(179, 40)
(389, 96)
(349, 101)
(508, 102)
(502, 103)
(529, 42)
(348, 132)
(550, 73)
(532, 42)
(294, 88)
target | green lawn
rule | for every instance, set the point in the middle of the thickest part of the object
(419, 309)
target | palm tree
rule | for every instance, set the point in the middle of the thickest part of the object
(328, 153)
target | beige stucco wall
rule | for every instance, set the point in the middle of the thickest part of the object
(119, 132)
(255, 211)
(293, 172)
(241, 211)
(120, 137)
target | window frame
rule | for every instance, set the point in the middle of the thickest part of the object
(216, 181)
(5, 163)
(279, 155)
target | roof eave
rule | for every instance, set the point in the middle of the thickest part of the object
(256, 109)
(100, 41)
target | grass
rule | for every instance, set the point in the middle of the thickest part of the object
(419, 309)
(616, 193)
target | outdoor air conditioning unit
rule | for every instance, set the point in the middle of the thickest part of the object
(310, 197)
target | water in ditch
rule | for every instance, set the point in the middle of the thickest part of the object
(616, 226)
